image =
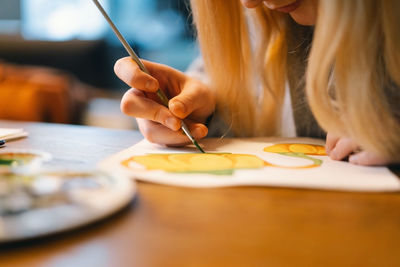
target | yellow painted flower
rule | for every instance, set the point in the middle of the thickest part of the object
(223, 163)
(194, 162)
(299, 151)
(306, 149)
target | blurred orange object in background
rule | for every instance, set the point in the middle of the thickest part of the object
(40, 94)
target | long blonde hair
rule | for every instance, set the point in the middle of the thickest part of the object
(353, 77)
(354, 64)
(230, 61)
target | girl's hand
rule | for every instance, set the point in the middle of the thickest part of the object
(189, 99)
(339, 148)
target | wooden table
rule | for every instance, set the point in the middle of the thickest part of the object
(242, 226)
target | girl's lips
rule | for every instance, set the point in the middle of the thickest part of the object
(289, 8)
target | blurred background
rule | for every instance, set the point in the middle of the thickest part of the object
(57, 56)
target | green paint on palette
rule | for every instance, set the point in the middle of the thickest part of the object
(7, 162)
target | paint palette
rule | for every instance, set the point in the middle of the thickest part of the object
(38, 203)
(22, 161)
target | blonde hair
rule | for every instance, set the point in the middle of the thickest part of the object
(354, 70)
(230, 62)
(353, 66)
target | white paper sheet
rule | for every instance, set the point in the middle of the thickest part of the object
(9, 134)
(330, 175)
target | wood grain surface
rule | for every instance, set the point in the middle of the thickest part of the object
(241, 226)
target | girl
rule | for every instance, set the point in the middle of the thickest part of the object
(343, 74)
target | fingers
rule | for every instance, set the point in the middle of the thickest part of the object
(343, 148)
(331, 141)
(367, 158)
(156, 133)
(339, 148)
(129, 72)
(134, 103)
(190, 97)
(157, 123)
(161, 76)
(196, 100)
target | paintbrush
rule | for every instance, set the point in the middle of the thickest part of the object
(163, 98)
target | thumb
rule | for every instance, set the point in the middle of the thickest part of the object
(195, 99)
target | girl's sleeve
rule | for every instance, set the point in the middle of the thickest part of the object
(197, 70)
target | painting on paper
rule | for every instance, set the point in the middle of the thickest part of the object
(252, 161)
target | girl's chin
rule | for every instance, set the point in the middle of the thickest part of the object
(303, 19)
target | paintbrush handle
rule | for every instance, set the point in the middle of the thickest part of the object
(163, 98)
(161, 95)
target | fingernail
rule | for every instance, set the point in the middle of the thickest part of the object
(172, 123)
(328, 151)
(333, 155)
(198, 132)
(178, 106)
(354, 159)
(151, 85)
